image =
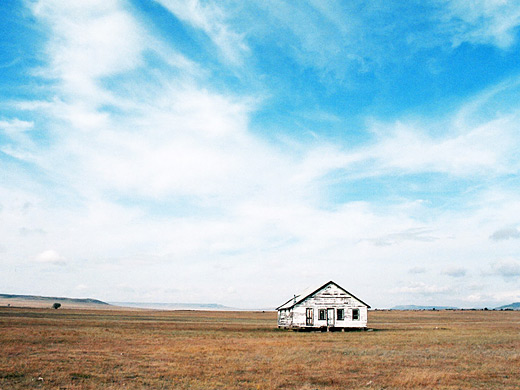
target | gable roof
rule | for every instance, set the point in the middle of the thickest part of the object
(310, 291)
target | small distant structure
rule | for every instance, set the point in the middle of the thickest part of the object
(329, 307)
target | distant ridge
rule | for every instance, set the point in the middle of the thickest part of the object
(511, 306)
(416, 307)
(38, 298)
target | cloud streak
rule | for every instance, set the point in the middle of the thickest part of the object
(412, 234)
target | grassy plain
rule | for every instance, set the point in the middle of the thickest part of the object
(82, 349)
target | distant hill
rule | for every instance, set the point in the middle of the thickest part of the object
(42, 301)
(511, 306)
(37, 301)
(416, 307)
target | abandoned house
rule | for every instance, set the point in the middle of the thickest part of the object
(327, 307)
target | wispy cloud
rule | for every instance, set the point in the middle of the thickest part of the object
(15, 126)
(208, 17)
(333, 37)
(508, 296)
(459, 152)
(422, 289)
(494, 299)
(417, 270)
(456, 272)
(509, 269)
(31, 231)
(492, 22)
(412, 234)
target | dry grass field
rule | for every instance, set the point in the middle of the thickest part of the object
(81, 349)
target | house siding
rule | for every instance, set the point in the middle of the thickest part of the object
(285, 318)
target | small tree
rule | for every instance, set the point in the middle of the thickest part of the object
(56, 305)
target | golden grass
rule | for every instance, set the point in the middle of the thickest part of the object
(82, 349)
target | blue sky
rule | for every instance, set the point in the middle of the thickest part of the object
(238, 152)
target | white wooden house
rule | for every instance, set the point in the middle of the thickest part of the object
(327, 307)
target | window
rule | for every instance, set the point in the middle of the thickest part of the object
(309, 317)
(340, 314)
(323, 315)
(355, 314)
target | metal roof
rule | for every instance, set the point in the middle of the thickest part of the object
(310, 291)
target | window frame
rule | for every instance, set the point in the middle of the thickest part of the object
(356, 315)
(340, 314)
(322, 314)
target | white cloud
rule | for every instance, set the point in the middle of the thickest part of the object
(477, 298)
(50, 257)
(180, 139)
(173, 150)
(89, 40)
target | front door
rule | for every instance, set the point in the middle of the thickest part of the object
(309, 318)
(330, 317)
